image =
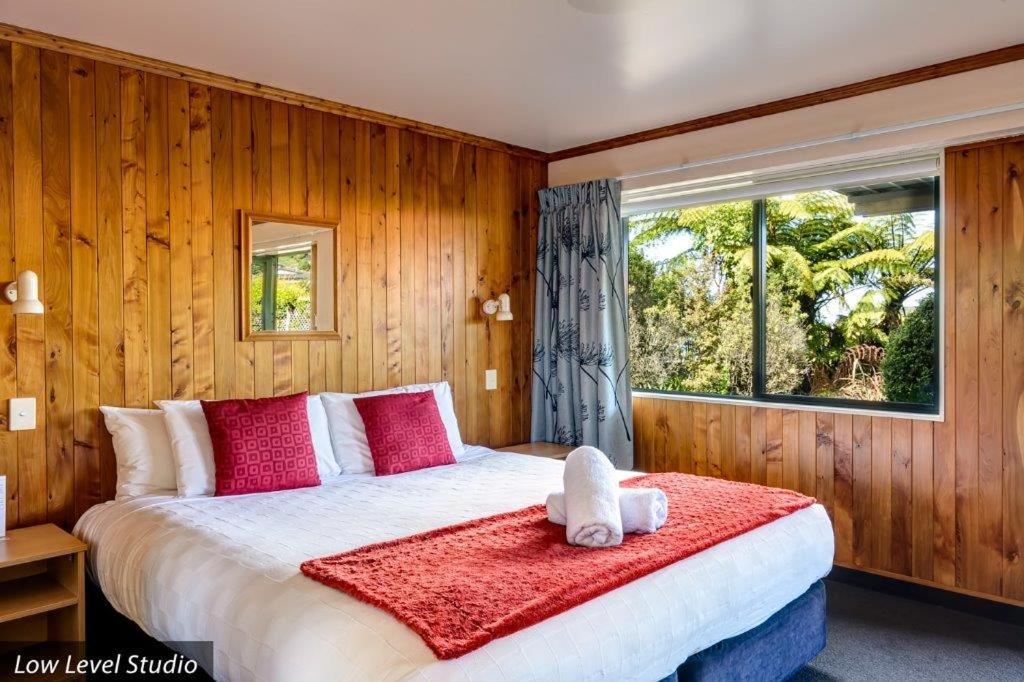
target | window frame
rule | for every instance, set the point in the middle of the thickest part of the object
(760, 396)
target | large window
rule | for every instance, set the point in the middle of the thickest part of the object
(822, 296)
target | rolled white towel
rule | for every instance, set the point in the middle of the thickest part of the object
(643, 510)
(592, 516)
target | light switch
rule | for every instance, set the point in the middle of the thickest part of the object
(490, 379)
(21, 414)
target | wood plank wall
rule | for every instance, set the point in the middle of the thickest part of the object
(939, 503)
(122, 190)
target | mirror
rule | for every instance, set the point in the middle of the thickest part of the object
(289, 277)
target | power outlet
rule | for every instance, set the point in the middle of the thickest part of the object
(490, 379)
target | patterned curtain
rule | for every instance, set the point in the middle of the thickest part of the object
(581, 390)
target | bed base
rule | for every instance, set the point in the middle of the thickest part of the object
(774, 650)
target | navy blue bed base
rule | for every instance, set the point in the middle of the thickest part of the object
(774, 650)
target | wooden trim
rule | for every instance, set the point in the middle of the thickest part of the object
(994, 142)
(246, 219)
(919, 75)
(930, 583)
(27, 36)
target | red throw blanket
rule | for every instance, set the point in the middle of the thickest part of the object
(461, 586)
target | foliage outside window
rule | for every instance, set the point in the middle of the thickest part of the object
(281, 291)
(824, 296)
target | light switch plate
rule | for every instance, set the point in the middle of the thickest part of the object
(490, 379)
(21, 414)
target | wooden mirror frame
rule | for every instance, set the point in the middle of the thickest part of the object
(247, 219)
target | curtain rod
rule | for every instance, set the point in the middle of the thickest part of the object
(845, 137)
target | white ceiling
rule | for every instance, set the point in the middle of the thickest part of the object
(546, 74)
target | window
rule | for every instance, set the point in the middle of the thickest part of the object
(824, 295)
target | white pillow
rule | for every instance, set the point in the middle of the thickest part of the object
(191, 445)
(142, 449)
(193, 449)
(326, 465)
(348, 435)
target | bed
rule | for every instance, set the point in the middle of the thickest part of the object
(226, 569)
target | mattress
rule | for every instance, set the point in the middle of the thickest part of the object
(226, 569)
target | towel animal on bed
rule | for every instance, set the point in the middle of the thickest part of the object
(594, 510)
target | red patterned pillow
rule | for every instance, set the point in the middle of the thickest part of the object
(404, 432)
(261, 445)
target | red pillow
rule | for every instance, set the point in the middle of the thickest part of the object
(261, 445)
(404, 432)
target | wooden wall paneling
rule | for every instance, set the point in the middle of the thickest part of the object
(84, 288)
(901, 540)
(861, 458)
(966, 368)
(393, 246)
(807, 448)
(881, 491)
(222, 243)
(481, 287)
(473, 372)
(922, 499)
(298, 205)
(460, 382)
(347, 282)
(158, 256)
(824, 461)
(202, 242)
(28, 255)
(407, 254)
(699, 438)
(122, 189)
(179, 163)
(1013, 378)
(262, 158)
(332, 209)
(364, 259)
(842, 515)
(316, 208)
(759, 445)
(990, 370)
(790, 449)
(728, 442)
(242, 198)
(56, 286)
(110, 269)
(446, 337)
(504, 214)
(774, 433)
(743, 444)
(944, 460)
(378, 256)
(714, 440)
(433, 250)
(8, 329)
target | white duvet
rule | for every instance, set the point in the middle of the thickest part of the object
(226, 569)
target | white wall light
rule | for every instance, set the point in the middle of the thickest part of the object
(24, 294)
(503, 308)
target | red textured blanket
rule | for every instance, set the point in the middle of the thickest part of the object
(461, 586)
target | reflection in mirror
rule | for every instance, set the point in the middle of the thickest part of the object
(290, 286)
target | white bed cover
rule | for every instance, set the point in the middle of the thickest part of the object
(226, 569)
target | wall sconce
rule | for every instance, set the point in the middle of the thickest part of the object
(503, 306)
(24, 294)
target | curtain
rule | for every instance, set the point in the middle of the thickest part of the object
(581, 390)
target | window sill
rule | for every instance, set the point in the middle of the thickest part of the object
(778, 405)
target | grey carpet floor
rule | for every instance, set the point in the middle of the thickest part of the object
(874, 636)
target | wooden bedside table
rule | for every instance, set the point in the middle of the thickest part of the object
(540, 449)
(42, 585)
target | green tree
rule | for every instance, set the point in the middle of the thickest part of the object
(834, 282)
(908, 366)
